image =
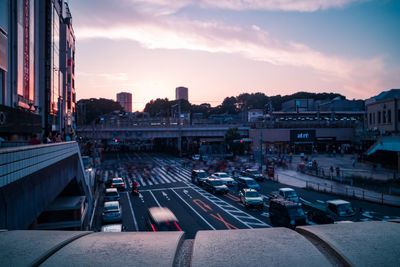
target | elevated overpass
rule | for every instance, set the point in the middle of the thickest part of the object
(31, 178)
(100, 131)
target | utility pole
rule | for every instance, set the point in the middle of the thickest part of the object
(179, 129)
(261, 149)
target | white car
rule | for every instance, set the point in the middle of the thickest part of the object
(224, 177)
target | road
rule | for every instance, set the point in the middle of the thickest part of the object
(195, 208)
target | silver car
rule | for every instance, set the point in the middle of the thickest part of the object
(112, 212)
(224, 177)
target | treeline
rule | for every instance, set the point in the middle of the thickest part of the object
(232, 105)
(90, 109)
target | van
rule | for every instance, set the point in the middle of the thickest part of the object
(286, 213)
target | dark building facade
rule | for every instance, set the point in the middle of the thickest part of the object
(32, 67)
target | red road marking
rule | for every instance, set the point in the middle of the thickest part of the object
(228, 225)
(232, 197)
(202, 205)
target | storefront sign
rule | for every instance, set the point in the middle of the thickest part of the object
(26, 49)
(302, 135)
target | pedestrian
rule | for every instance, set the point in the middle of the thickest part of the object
(337, 171)
(34, 140)
(353, 162)
(331, 172)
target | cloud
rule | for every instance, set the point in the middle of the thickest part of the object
(250, 42)
(171, 6)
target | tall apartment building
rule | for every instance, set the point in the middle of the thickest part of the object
(125, 100)
(181, 93)
(33, 70)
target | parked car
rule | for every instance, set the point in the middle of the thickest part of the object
(285, 193)
(111, 194)
(199, 176)
(161, 219)
(224, 177)
(215, 186)
(112, 212)
(251, 198)
(118, 183)
(246, 182)
(286, 213)
(253, 173)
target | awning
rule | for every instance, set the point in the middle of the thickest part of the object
(385, 144)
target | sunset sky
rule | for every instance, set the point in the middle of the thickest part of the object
(220, 48)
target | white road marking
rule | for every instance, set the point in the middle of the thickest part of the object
(141, 197)
(201, 217)
(155, 198)
(165, 195)
(187, 193)
(320, 201)
(265, 214)
(133, 213)
(164, 188)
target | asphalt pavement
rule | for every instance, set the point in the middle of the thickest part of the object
(169, 185)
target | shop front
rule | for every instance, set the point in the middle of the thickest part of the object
(302, 141)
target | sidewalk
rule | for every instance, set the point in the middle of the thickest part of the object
(345, 164)
(302, 180)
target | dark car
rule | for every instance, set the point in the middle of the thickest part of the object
(215, 186)
(199, 176)
(286, 213)
(118, 183)
(246, 182)
(112, 212)
(251, 198)
(161, 219)
(253, 173)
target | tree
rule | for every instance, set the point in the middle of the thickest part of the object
(90, 109)
(229, 105)
(233, 141)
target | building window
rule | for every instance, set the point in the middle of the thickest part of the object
(398, 115)
(379, 117)
(373, 117)
(370, 118)
(389, 116)
(384, 117)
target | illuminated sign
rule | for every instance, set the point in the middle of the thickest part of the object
(26, 49)
(302, 136)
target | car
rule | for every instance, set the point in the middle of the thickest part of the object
(161, 219)
(341, 208)
(286, 213)
(224, 177)
(251, 198)
(199, 176)
(285, 193)
(196, 157)
(246, 182)
(215, 186)
(118, 183)
(253, 173)
(111, 194)
(112, 228)
(112, 212)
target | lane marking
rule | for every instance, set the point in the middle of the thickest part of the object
(203, 205)
(165, 195)
(141, 197)
(234, 198)
(155, 198)
(199, 190)
(228, 225)
(198, 214)
(133, 213)
(186, 193)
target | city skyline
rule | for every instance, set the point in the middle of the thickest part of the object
(231, 47)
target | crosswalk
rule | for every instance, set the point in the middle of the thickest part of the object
(159, 174)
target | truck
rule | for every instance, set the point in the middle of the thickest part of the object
(285, 193)
(329, 211)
